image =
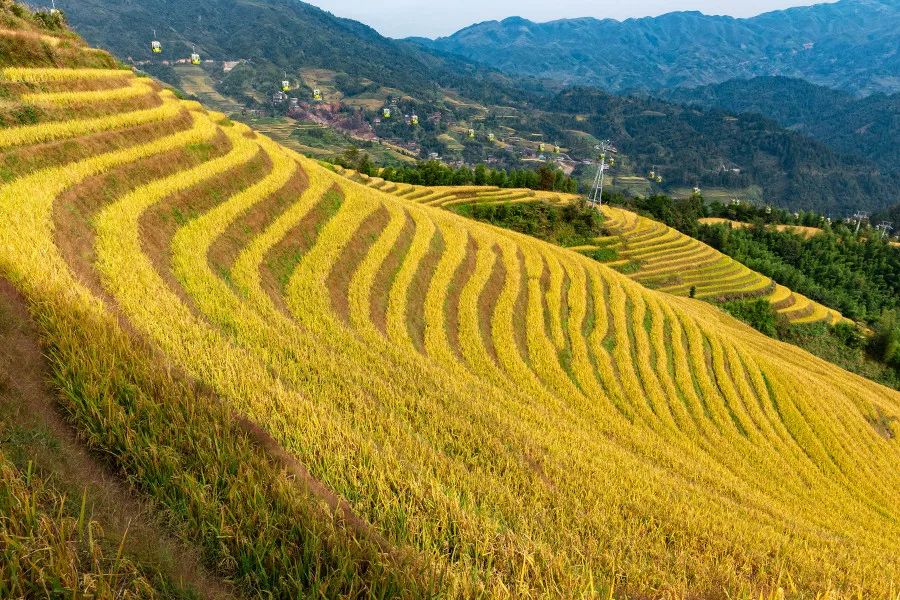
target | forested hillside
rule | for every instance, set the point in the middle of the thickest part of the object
(281, 38)
(867, 127)
(275, 35)
(890, 214)
(715, 148)
(850, 44)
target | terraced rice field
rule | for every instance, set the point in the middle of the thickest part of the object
(447, 196)
(669, 261)
(447, 409)
(801, 230)
(197, 82)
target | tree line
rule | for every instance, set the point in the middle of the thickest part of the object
(856, 273)
(547, 177)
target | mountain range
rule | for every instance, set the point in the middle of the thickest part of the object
(850, 44)
(867, 127)
(274, 36)
(705, 145)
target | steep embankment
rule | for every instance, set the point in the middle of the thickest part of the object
(335, 391)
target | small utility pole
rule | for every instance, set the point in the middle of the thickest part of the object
(860, 216)
(597, 189)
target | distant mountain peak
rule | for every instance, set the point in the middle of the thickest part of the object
(850, 45)
(516, 21)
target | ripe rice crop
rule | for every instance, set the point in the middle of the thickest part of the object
(135, 88)
(44, 75)
(682, 263)
(524, 423)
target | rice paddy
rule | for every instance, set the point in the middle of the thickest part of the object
(448, 409)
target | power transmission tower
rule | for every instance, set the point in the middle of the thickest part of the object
(884, 227)
(597, 190)
(860, 217)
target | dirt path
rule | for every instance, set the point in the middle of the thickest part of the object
(33, 429)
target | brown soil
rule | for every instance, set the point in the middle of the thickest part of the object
(451, 302)
(385, 277)
(33, 429)
(338, 281)
(418, 288)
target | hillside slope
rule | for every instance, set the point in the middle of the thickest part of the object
(274, 36)
(850, 44)
(866, 127)
(715, 148)
(673, 262)
(650, 252)
(361, 72)
(332, 391)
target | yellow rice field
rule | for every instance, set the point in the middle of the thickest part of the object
(510, 416)
(801, 230)
(670, 261)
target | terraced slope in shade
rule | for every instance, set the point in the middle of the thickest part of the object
(670, 261)
(512, 416)
(801, 230)
(446, 196)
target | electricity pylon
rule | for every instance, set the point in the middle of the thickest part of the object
(860, 216)
(597, 189)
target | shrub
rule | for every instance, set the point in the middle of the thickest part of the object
(757, 313)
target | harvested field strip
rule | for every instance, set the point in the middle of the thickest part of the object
(44, 132)
(44, 75)
(135, 89)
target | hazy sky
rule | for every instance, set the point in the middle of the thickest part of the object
(402, 18)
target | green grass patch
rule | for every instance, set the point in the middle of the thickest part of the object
(602, 254)
(565, 225)
(632, 266)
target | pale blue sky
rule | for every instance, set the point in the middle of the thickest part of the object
(402, 18)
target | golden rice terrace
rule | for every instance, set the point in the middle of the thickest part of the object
(335, 391)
